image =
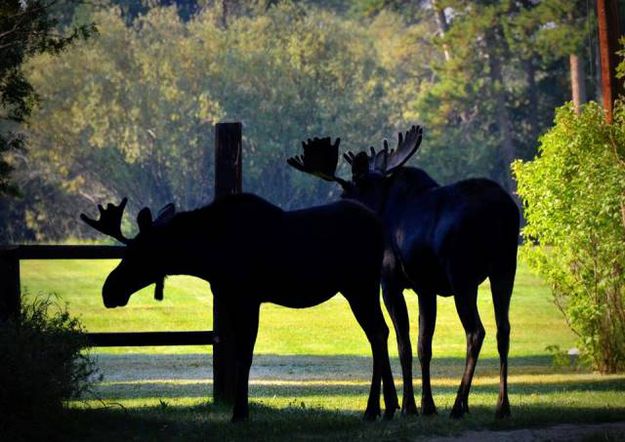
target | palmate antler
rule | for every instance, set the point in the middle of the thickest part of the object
(320, 158)
(385, 161)
(110, 221)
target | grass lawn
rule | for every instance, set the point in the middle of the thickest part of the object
(328, 329)
(319, 385)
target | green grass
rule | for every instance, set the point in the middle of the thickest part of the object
(286, 406)
(328, 329)
(286, 411)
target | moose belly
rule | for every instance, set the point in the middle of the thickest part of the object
(299, 298)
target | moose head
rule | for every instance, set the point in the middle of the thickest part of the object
(140, 266)
(370, 171)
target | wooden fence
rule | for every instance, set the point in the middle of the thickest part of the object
(228, 160)
(10, 300)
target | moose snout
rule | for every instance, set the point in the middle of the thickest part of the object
(113, 294)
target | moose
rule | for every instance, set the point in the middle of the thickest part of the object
(439, 240)
(251, 252)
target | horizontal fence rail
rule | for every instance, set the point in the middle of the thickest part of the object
(70, 252)
(10, 296)
(139, 339)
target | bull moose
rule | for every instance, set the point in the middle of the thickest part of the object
(251, 252)
(442, 240)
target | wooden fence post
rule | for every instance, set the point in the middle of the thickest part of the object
(9, 282)
(227, 181)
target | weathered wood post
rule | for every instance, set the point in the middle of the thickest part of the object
(9, 282)
(608, 28)
(227, 181)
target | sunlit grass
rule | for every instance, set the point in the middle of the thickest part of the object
(331, 410)
(329, 328)
(301, 401)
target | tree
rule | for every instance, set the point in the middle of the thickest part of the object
(103, 134)
(573, 194)
(27, 28)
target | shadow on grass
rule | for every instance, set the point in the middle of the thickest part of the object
(210, 422)
(116, 391)
(130, 367)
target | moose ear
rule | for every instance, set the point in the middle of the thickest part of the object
(144, 219)
(165, 214)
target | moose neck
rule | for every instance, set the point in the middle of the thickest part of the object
(407, 185)
(185, 246)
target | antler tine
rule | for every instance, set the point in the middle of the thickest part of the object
(407, 145)
(110, 220)
(349, 157)
(320, 158)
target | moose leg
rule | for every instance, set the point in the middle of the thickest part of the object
(427, 323)
(501, 288)
(368, 313)
(245, 331)
(396, 306)
(466, 305)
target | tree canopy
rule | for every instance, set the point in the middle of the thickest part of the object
(131, 113)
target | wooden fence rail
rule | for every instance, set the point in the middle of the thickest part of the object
(10, 296)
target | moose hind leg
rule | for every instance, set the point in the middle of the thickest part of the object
(245, 332)
(466, 306)
(396, 306)
(501, 288)
(427, 322)
(368, 313)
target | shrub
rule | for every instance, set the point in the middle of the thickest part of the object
(574, 198)
(42, 364)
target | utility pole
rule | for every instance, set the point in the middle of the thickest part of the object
(609, 32)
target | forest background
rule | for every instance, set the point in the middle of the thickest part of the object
(131, 110)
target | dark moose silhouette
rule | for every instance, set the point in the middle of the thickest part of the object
(252, 252)
(442, 240)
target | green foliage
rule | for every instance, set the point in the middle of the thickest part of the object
(27, 28)
(132, 112)
(574, 197)
(42, 365)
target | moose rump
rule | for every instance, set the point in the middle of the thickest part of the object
(251, 252)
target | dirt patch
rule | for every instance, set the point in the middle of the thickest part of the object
(134, 367)
(565, 433)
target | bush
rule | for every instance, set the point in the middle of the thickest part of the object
(42, 364)
(574, 198)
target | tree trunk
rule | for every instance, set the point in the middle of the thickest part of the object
(578, 81)
(532, 93)
(508, 151)
(441, 21)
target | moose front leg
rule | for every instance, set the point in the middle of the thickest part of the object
(369, 315)
(245, 332)
(396, 306)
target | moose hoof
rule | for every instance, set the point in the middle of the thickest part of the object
(457, 412)
(428, 408)
(371, 415)
(238, 419)
(239, 416)
(389, 413)
(503, 411)
(409, 409)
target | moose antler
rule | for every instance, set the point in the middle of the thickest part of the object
(385, 161)
(110, 220)
(320, 159)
